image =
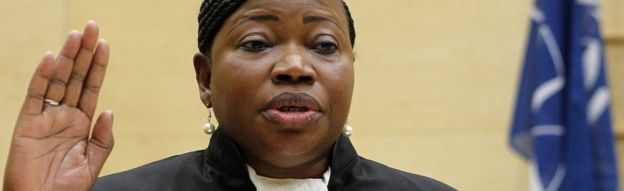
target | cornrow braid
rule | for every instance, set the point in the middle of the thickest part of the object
(351, 23)
(213, 13)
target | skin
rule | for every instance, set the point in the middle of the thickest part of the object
(51, 148)
(56, 148)
(269, 47)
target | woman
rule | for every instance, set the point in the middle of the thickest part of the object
(279, 76)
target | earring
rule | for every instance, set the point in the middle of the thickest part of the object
(208, 127)
(347, 130)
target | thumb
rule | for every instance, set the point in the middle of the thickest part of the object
(101, 143)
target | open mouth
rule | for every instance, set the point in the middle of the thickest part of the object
(292, 110)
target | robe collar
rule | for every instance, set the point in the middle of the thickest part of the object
(226, 156)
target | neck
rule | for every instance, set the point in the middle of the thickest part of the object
(309, 169)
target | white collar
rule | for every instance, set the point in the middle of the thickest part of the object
(308, 184)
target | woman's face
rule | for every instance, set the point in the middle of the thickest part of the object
(280, 79)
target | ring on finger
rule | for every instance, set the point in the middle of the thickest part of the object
(51, 102)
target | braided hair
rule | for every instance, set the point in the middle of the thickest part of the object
(213, 14)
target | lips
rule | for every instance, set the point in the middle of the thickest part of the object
(292, 110)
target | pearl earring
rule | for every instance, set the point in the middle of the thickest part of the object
(208, 127)
(347, 130)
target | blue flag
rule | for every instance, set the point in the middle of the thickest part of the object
(562, 122)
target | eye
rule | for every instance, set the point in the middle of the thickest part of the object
(254, 44)
(325, 46)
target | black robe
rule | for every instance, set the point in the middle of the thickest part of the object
(221, 167)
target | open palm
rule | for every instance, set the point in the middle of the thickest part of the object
(51, 148)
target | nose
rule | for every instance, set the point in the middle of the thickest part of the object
(293, 68)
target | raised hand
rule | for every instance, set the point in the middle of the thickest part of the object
(51, 148)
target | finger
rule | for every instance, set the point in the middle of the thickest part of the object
(82, 64)
(63, 67)
(95, 77)
(101, 143)
(33, 105)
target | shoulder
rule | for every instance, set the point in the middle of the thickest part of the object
(378, 176)
(159, 175)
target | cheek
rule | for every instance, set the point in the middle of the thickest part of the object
(339, 82)
(235, 85)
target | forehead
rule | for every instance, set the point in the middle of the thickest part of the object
(293, 4)
(330, 8)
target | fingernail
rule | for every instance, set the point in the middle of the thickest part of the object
(103, 42)
(48, 55)
(91, 21)
(109, 112)
(73, 32)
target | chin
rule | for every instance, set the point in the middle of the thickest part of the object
(293, 154)
(292, 144)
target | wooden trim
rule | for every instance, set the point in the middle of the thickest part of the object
(619, 136)
(614, 40)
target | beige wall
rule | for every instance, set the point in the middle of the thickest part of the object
(435, 80)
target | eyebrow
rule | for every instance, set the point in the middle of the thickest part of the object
(275, 18)
(313, 18)
(308, 19)
(267, 17)
(262, 18)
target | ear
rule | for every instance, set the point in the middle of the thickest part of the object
(203, 71)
